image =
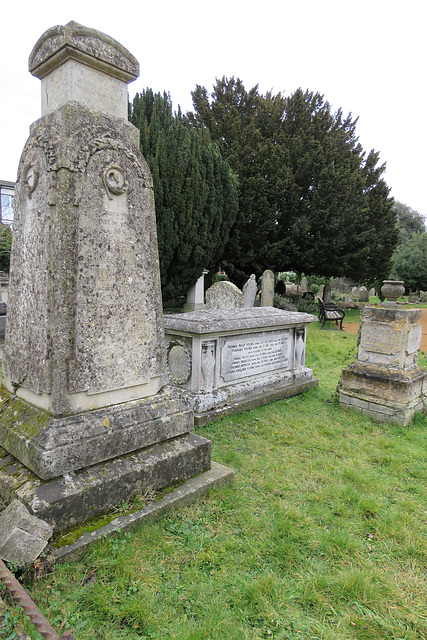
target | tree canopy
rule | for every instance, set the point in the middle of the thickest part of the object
(409, 221)
(310, 199)
(195, 191)
(410, 261)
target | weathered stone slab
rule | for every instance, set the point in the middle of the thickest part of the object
(22, 536)
(224, 295)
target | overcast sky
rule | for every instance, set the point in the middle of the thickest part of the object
(367, 57)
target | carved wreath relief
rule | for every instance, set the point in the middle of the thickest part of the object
(114, 181)
(179, 361)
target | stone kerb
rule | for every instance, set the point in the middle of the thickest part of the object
(224, 295)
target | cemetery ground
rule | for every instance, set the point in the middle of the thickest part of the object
(321, 535)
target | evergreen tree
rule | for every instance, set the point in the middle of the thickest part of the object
(309, 200)
(409, 221)
(195, 191)
(410, 261)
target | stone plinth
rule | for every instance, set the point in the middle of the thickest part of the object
(234, 359)
(385, 382)
(196, 295)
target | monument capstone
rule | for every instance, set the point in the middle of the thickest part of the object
(84, 358)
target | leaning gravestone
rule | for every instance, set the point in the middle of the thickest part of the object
(85, 350)
(249, 292)
(224, 295)
(267, 289)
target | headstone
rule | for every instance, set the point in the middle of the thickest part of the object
(348, 299)
(363, 294)
(85, 348)
(22, 536)
(224, 295)
(327, 292)
(267, 289)
(303, 285)
(249, 292)
(372, 292)
(196, 295)
(355, 292)
(386, 382)
(229, 360)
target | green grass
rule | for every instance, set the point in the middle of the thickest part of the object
(322, 535)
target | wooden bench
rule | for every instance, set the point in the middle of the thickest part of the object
(331, 312)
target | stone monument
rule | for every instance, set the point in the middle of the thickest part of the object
(229, 360)
(385, 382)
(249, 292)
(267, 289)
(84, 359)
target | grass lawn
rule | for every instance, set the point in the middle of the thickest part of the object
(322, 534)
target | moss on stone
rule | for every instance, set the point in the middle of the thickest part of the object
(17, 415)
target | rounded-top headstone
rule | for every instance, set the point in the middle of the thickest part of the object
(224, 295)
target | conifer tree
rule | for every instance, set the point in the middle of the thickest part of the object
(309, 199)
(195, 191)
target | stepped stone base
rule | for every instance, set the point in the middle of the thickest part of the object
(51, 446)
(75, 497)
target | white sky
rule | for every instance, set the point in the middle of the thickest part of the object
(366, 56)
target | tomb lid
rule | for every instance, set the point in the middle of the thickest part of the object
(223, 320)
(88, 46)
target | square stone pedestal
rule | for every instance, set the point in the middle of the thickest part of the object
(385, 382)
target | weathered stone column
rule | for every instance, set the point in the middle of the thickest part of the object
(386, 382)
(85, 347)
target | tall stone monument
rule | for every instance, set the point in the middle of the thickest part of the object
(84, 356)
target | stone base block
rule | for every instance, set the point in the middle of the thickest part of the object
(52, 446)
(382, 410)
(385, 385)
(209, 407)
(75, 497)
